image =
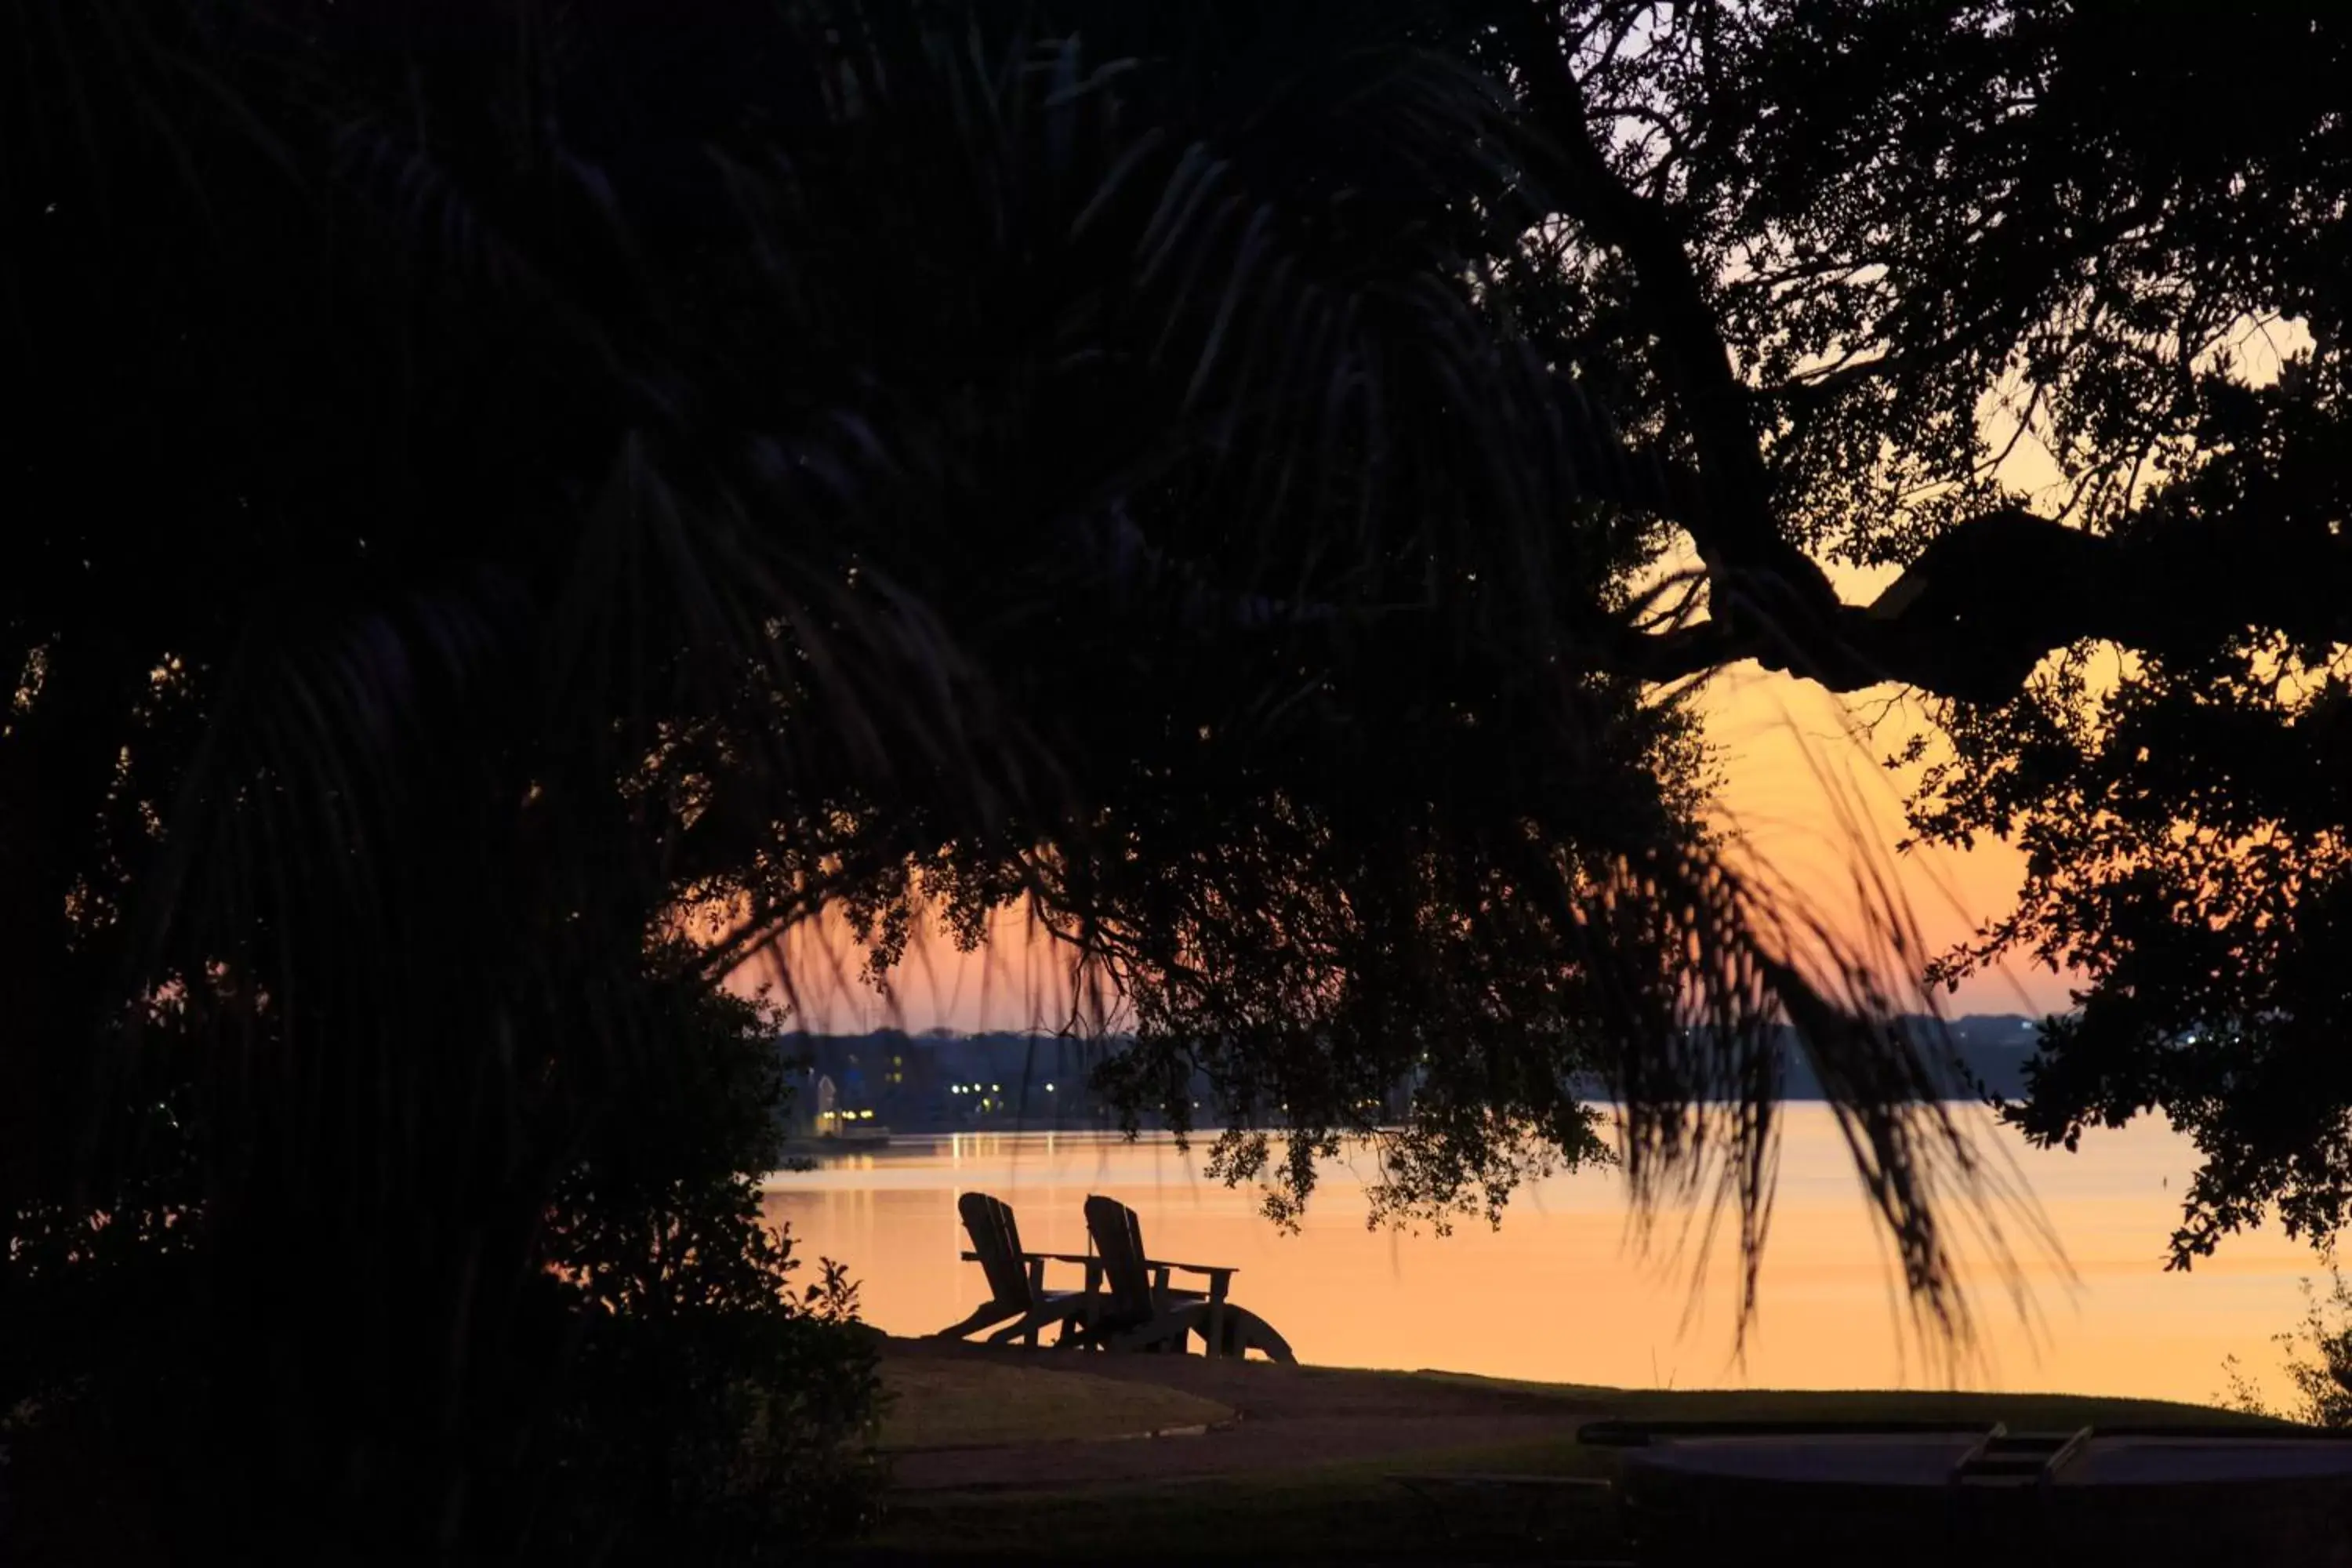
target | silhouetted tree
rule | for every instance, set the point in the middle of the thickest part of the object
(2047, 306)
(504, 484)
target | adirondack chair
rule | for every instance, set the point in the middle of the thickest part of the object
(1016, 1279)
(1142, 1311)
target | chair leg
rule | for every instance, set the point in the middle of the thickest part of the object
(1162, 1336)
(1036, 1320)
(1010, 1332)
(981, 1316)
(1247, 1331)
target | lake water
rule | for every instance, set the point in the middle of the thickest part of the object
(1562, 1292)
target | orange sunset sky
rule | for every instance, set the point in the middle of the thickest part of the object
(1803, 788)
(1801, 771)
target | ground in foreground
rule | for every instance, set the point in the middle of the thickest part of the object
(1008, 1455)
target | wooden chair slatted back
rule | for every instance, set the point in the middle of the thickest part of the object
(997, 1241)
(1118, 1241)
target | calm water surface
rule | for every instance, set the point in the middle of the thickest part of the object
(1563, 1293)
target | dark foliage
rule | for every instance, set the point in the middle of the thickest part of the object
(674, 1396)
(2047, 304)
(712, 1411)
(2120, 240)
(2317, 1357)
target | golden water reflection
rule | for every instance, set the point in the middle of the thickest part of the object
(1560, 1293)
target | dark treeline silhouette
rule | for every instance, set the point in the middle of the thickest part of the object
(515, 505)
(939, 1080)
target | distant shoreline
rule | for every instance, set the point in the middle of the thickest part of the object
(814, 1149)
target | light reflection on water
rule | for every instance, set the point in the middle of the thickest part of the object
(1561, 1294)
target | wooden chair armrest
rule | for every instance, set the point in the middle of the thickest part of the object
(1229, 1272)
(1042, 1257)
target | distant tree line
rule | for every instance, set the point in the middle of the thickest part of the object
(941, 1080)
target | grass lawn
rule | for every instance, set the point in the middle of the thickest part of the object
(2021, 1411)
(970, 1403)
(1349, 1512)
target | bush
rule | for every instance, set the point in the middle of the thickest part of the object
(678, 1396)
(713, 1412)
(721, 1421)
(2319, 1355)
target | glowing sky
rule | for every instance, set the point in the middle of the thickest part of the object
(1803, 780)
(1802, 784)
(1799, 767)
